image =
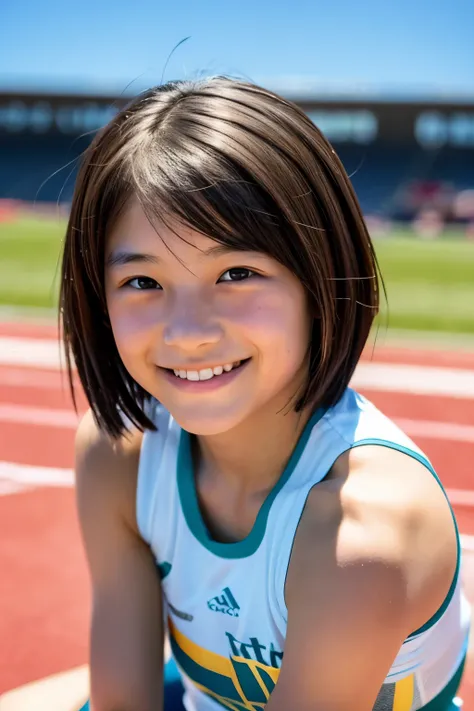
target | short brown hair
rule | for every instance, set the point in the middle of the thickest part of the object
(246, 168)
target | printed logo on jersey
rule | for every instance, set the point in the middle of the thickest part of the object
(225, 603)
(243, 680)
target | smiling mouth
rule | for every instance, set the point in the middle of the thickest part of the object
(204, 374)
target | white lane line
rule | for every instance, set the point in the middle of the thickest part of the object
(66, 690)
(386, 377)
(22, 477)
(436, 430)
(25, 414)
(415, 379)
(67, 419)
(32, 352)
(467, 542)
(461, 497)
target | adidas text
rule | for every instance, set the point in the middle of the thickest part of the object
(225, 603)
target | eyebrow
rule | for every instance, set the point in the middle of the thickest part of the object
(118, 259)
(122, 257)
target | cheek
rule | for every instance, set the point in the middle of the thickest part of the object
(131, 326)
(279, 325)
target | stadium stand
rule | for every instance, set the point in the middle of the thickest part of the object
(403, 156)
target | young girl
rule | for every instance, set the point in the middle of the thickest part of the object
(298, 550)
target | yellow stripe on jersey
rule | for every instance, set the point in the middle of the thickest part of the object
(235, 682)
(404, 693)
(203, 657)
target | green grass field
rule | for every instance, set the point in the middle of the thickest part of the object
(29, 262)
(430, 284)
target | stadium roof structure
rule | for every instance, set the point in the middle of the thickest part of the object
(360, 113)
(298, 88)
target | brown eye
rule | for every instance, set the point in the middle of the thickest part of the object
(142, 283)
(237, 274)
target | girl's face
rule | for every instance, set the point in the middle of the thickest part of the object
(198, 309)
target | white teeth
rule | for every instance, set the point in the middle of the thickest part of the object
(206, 374)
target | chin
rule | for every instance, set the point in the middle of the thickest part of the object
(207, 424)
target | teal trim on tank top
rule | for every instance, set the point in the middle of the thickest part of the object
(190, 505)
(420, 458)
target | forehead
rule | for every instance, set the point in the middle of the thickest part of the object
(133, 231)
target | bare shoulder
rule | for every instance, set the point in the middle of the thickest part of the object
(106, 469)
(373, 559)
(384, 510)
(401, 500)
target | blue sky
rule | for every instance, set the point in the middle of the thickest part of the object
(397, 46)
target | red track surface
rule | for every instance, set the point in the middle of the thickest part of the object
(44, 596)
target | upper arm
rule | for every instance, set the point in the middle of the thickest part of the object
(364, 573)
(346, 623)
(127, 627)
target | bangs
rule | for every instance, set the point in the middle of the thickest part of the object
(202, 189)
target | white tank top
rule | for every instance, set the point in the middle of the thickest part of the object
(224, 602)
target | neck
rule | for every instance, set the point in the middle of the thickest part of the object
(252, 456)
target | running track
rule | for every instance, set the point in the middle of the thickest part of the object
(44, 595)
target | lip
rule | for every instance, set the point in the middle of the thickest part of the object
(202, 386)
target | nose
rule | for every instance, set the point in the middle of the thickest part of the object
(190, 326)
